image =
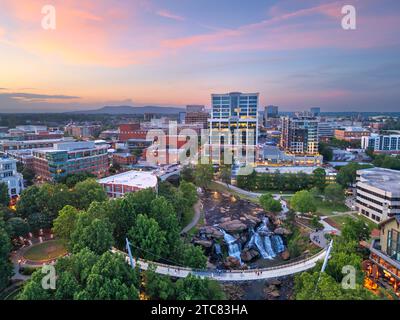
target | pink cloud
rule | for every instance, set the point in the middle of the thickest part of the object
(169, 15)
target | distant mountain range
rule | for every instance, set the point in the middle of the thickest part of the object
(130, 110)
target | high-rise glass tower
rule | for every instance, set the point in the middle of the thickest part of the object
(234, 121)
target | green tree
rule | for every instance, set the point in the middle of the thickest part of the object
(29, 175)
(33, 289)
(87, 191)
(334, 193)
(203, 175)
(226, 173)
(270, 204)
(18, 227)
(303, 202)
(5, 248)
(87, 276)
(325, 151)
(94, 234)
(347, 174)
(355, 229)
(193, 257)
(187, 174)
(319, 178)
(248, 181)
(158, 286)
(163, 212)
(27, 203)
(4, 197)
(72, 179)
(147, 238)
(65, 223)
(189, 192)
(307, 287)
(195, 288)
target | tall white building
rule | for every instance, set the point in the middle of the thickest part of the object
(10, 176)
(234, 123)
(378, 193)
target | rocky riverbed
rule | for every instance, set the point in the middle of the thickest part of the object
(239, 234)
(274, 289)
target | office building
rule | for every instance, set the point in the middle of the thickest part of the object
(10, 176)
(326, 130)
(270, 113)
(82, 131)
(299, 135)
(351, 134)
(70, 157)
(381, 143)
(9, 145)
(378, 193)
(234, 125)
(196, 114)
(118, 185)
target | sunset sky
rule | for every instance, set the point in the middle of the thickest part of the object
(178, 52)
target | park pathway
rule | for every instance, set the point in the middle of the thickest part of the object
(198, 209)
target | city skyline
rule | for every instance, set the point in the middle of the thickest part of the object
(174, 53)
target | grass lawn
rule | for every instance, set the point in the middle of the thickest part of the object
(45, 251)
(370, 223)
(326, 209)
(338, 220)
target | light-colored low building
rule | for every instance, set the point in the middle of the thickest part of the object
(10, 176)
(378, 193)
(118, 185)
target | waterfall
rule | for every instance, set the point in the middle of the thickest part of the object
(278, 243)
(267, 245)
(233, 246)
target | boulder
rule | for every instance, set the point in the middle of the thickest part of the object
(285, 255)
(233, 226)
(274, 294)
(212, 232)
(231, 263)
(203, 243)
(275, 282)
(282, 231)
(249, 255)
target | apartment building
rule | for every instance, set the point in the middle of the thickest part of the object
(299, 134)
(389, 144)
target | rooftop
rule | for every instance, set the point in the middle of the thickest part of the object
(381, 178)
(133, 178)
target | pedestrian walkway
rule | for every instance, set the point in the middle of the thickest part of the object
(230, 275)
(198, 209)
